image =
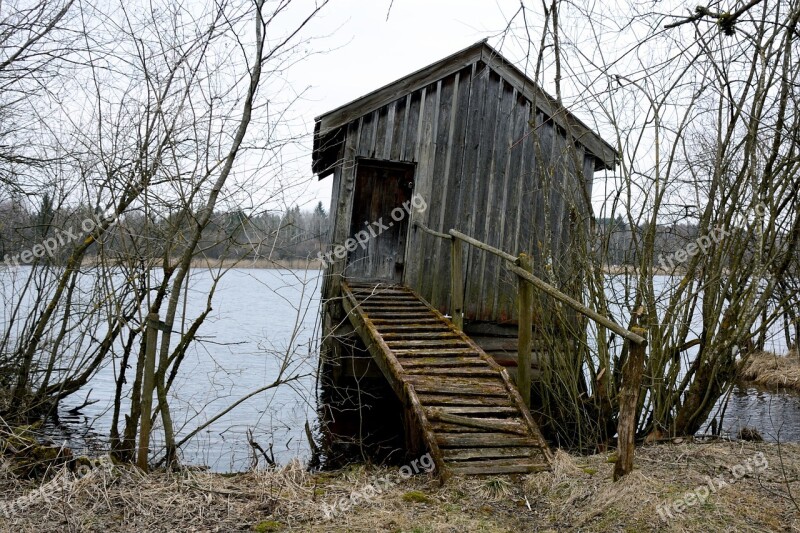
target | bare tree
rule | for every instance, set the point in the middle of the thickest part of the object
(161, 105)
(703, 117)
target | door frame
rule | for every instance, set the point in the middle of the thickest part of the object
(409, 167)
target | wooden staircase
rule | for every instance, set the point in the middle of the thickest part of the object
(469, 414)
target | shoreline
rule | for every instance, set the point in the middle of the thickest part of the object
(268, 264)
(772, 371)
(691, 486)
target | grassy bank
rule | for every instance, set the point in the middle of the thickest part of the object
(772, 371)
(751, 492)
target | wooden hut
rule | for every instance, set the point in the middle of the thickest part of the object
(467, 143)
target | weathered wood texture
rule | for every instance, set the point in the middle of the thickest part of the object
(629, 400)
(470, 403)
(482, 169)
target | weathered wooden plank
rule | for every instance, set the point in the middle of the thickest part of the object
(412, 126)
(482, 371)
(410, 83)
(387, 328)
(443, 427)
(518, 166)
(386, 153)
(492, 181)
(418, 335)
(467, 454)
(525, 302)
(492, 383)
(372, 286)
(370, 307)
(481, 196)
(558, 190)
(430, 400)
(543, 144)
(437, 192)
(398, 129)
(398, 314)
(491, 424)
(406, 344)
(491, 439)
(417, 272)
(383, 299)
(445, 362)
(496, 216)
(366, 140)
(405, 320)
(437, 352)
(452, 191)
(490, 469)
(382, 130)
(427, 431)
(434, 386)
(629, 396)
(383, 357)
(478, 410)
(506, 344)
(342, 212)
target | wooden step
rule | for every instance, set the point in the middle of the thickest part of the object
(470, 385)
(474, 424)
(393, 308)
(369, 303)
(438, 352)
(488, 452)
(433, 400)
(403, 320)
(476, 411)
(492, 439)
(429, 343)
(417, 316)
(399, 328)
(445, 361)
(491, 467)
(419, 335)
(482, 371)
(502, 425)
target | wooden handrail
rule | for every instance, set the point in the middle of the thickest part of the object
(579, 307)
(483, 246)
(540, 284)
(426, 229)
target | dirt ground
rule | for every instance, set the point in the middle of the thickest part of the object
(720, 486)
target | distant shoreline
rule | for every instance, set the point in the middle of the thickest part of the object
(771, 370)
(209, 263)
(288, 264)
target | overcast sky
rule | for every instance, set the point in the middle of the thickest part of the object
(368, 51)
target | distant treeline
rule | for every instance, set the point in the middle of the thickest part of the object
(671, 246)
(50, 233)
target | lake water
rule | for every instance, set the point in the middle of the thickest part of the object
(264, 320)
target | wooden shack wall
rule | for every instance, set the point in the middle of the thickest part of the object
(483, 170)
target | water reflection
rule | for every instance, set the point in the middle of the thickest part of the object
(775, 414)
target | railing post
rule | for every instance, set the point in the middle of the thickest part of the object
(148, 384)
(456, 283)
(525, 333)
(629, 399)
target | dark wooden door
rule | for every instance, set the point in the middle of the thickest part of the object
(379, 224)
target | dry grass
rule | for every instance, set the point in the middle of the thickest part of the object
(773, 371)
(578, 495)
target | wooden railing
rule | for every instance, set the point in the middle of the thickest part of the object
(522, 266)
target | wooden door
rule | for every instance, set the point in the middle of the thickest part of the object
(379, 223)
